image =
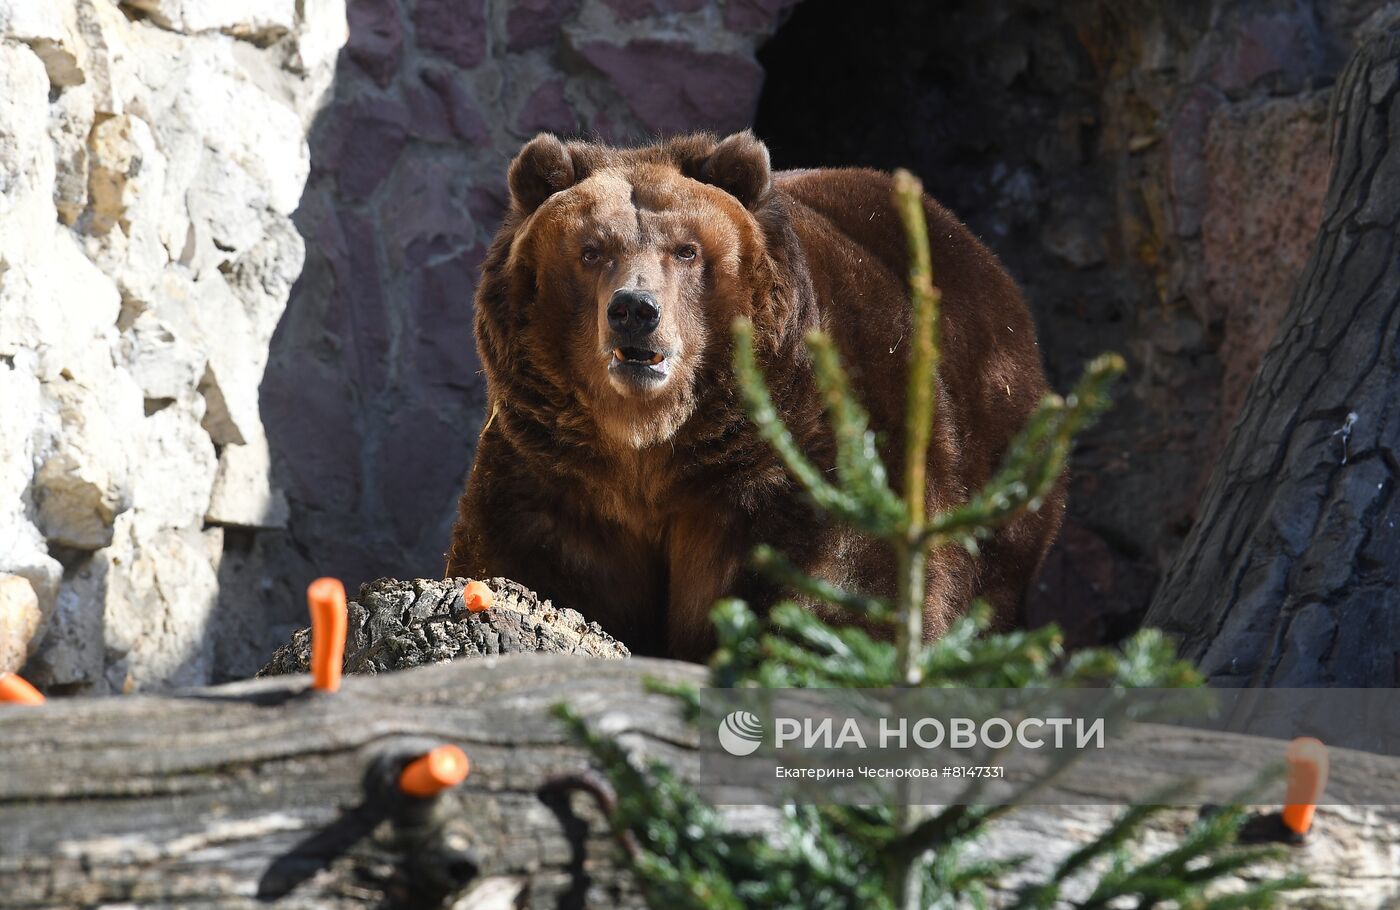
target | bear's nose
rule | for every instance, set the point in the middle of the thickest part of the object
(633, 311)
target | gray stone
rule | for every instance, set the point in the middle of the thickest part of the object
(84, 481)
(73, 652)
(160, 609)
(670, 86)
(163, 365)
(70, 121)
(263, 20)
(243, 495)
(172, 484)
(19, 621)
(46, 28)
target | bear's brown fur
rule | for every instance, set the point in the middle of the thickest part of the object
(626, 482)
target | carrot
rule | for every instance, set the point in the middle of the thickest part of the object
(325, 597)
(477, 596)
(1307, 778)
(435, 771)
(16, 690)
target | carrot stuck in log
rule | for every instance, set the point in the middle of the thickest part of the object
(1307, 778)
(435, 771)
(477, 596)
(16, 690)
(325, 598)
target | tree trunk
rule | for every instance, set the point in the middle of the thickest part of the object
(261, 793)
(1291, 574)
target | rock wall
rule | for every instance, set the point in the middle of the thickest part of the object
(151, 155)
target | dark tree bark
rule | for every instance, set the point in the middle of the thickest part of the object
(1291, 574)
(261, 793)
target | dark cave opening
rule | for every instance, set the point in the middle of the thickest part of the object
(847, 88)
(992, 104)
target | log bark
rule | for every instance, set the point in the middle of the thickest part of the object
(261, 793)
(1291, 573)
(397, 624)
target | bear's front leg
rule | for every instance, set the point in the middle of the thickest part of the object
(704, 555)
(514, 523)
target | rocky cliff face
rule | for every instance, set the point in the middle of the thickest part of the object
(151, 155)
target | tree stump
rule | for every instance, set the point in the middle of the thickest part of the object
(396, 625)
(1291, 574)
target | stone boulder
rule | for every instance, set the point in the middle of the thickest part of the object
(19, 621)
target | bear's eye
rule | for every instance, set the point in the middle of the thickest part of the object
(686, 251)
(590, 255)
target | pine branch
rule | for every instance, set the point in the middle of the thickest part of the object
(888, 856)
(924, 349)
(1034, 462)
(920, 397)
(801, 650)
(859, 468)
(759, 405)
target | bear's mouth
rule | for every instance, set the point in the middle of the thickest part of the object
(636, 369)
(638, 356)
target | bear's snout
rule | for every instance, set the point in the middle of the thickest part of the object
(633, 313)
(640, 360)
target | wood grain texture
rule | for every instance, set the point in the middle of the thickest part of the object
(188, 801)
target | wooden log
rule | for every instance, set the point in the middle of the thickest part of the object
(250, 792)
(254, 794)
(398, 624)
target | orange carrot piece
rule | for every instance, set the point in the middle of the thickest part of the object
(325, 597)
(430, 774)
(16, 690)
(477, 596)
(1307, 778)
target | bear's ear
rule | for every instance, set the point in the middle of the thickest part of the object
(542, 169)
(739, 165)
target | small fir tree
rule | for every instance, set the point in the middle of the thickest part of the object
(895, 856)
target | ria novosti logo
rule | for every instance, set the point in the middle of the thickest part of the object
(741, 733)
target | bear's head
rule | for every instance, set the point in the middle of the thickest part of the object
(623, 272)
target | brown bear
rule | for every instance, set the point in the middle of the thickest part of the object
(617, 472)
